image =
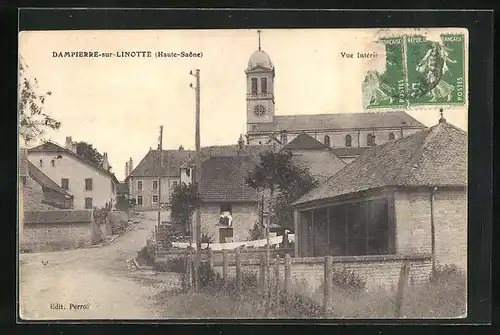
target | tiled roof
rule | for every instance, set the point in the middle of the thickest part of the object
(432, 157)
(172, 161)
(223, 179)
(23, 162)
(348, 151)
(227, 151)
(54, 147)
(42, 179)
(290, 123)
(56, 216)
(304, 142)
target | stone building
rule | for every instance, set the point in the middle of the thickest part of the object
(405, 199)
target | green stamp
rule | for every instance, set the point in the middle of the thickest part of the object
(387, 89)
(419, 72)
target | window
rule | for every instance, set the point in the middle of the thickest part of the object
(41, 162)
(139, 185)
(348, 140)
(391, 136)
(226, 215)
(263, 85)
(155, 184)
(225, 235)
(254, 86)
(327, 140)
(88, 203)
(284, 137)
(65, 184)
(139, 200)
(174, 184)
(370, 140)
(155, 199)
(88, 184)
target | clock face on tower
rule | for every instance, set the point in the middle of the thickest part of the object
(259, 110)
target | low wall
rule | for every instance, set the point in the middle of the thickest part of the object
(307, 274)
(48, 237)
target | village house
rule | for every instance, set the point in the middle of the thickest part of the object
(319, 159)
(230, 208)
(90, 184)
(405, 199)
(143, 180)
(348, 134)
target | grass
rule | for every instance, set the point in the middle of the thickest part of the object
(442, 296)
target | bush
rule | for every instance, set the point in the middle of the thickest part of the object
(300, 306)
(256, 232)
(347, 281)
(145, 256)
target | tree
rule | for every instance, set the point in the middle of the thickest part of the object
(277, 173)
(183, 202)
(33, 122)
(88, 152)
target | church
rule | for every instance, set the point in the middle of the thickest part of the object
(347, 134)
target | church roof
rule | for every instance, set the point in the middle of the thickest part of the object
(304, 142)
(431, 157)
(295, 123)
(260, 58)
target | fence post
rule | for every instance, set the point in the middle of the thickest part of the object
(403, 279)
(225, 260)
(262, 272)
(238, 271)
(211, 259)
(277, 282)
(189, 270)
(288, 271)
(327, 284)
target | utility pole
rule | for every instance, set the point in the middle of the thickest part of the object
(160, 149)
(197, 171)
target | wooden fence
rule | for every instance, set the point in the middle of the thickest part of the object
(278, 281)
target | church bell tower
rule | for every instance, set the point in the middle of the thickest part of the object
(260, 88)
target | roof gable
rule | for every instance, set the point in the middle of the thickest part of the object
(223, 179)
(54, 147)
(432, 157)
(304, 142)
(170, 166)
(295, 123)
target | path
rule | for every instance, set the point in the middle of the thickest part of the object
(97, 281)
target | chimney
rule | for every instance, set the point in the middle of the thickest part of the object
(181, 148)
(105, 162)
(130, 166)
(69, 143)
(126, 169)
(441, 119)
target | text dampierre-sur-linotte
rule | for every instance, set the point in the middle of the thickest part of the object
(126, 54)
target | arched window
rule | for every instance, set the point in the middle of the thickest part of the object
(327, 141)
(391, 136)
(348, 140)
(369, 140)
(284, 137)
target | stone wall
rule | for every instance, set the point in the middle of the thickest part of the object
(48, 237)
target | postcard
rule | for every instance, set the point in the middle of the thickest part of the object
(243, 174)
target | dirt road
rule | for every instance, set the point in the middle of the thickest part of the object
(95, 283)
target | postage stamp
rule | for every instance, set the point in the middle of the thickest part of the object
(419, 70)
(243, 174)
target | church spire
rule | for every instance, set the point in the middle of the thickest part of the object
(258, 32)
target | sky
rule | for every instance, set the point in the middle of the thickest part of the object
(118, 104)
